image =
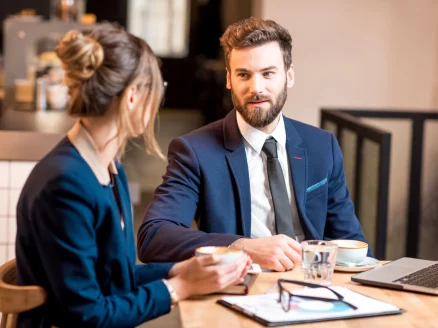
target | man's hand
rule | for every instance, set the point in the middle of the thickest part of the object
(279, 253)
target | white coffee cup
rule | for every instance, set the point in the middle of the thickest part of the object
(57, 96)
(228, 254)
(350, 251)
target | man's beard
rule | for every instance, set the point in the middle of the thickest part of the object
(259, 117)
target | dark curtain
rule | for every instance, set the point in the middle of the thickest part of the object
(207, 29)
(112, 11)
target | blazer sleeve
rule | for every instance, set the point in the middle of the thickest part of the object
(342, 222)
(63, 226)
(165, 233)
(145, 273)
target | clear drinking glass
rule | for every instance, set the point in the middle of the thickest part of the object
(319, 261)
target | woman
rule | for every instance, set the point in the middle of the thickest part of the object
(75, 234)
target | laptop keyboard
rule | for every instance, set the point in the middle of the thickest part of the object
(427, 277)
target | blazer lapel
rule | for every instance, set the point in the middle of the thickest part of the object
(239, 169)
(128, 230)
(126, 212)
(298, 167)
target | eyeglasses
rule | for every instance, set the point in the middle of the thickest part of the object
(285, 297)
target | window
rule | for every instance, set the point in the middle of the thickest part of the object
(164, 24)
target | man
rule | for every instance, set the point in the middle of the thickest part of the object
(255, 180)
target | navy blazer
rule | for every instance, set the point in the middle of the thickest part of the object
(207, 179)
(70, 242)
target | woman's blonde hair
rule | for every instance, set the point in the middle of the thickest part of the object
(100, 66)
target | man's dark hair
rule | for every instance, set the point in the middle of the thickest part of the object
(253, 32)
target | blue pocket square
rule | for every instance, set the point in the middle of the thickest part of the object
(316, 185)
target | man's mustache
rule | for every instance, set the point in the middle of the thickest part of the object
(258, 98)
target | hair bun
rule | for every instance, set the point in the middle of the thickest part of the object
(80, 54)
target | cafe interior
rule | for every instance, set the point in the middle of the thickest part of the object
(366, 71)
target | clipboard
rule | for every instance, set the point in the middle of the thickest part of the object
(265, 310)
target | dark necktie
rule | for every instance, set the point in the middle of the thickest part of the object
(283, 216)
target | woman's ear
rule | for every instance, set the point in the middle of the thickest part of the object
(131, 97)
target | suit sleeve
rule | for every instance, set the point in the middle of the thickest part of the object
(63, 225)
(342, 222)
(165, 233)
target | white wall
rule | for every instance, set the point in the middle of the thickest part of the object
(373, 53)
(13, 175)
(380, 54)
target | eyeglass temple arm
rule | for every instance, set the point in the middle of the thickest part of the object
(308, 284)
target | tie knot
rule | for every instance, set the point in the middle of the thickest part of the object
(270, 148)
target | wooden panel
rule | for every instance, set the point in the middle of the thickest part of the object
(26, 146)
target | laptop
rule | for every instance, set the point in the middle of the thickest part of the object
(407, 273)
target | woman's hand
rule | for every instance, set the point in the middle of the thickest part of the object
(204, 275)
(179, 268)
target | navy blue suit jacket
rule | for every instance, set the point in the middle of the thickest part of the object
(207, 179)
(70, 242)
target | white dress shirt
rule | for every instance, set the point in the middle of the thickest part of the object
(262, 208)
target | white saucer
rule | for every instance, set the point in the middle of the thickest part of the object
(255, 268)
(367, 264)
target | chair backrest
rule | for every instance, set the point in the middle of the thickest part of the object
(16, 299)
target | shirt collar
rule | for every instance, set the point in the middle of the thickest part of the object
(84, 143)
(256, 138)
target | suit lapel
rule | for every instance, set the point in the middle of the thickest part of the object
(298, 167)
(239, 169)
